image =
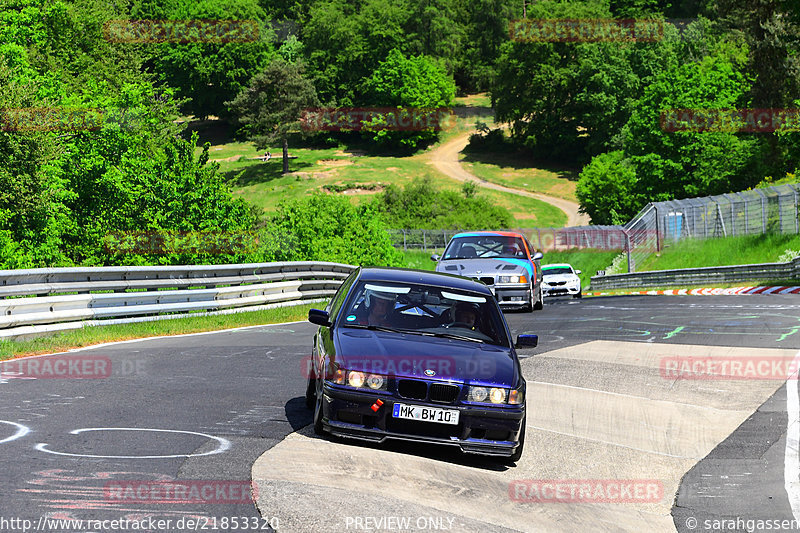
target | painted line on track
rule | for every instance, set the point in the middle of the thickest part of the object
(791, 462)
(21, 431)
(224, 444)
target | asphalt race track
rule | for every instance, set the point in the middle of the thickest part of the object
(217, 410)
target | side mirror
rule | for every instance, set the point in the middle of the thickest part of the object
(319, 317)
(577, 271)
(435, 257)
(537, 256)
(527, 341)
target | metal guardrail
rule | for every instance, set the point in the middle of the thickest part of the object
(697, 276)
(32, 301)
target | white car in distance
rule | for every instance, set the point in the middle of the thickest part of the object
(561, 280)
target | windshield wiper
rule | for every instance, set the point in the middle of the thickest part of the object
(373, 327)
(458, 337)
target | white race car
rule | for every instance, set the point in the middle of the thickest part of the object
(561, 280)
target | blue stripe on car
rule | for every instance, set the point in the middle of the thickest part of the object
(519, 262)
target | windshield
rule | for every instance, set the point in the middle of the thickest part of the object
(485, 246)
(425, 310)
(556, 270)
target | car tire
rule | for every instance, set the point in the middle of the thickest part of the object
(529, 307)
(517, 455)
(318, 429)
(579, 295)
(539, 305)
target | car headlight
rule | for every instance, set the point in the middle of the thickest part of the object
(374, 381)
(512, 279)
(497, 395)
(358, 380)
(355, 379)
(477, 394)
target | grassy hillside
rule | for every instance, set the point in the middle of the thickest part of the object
(717, 252)
(353, 173)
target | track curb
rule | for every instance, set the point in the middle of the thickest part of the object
(705, 291)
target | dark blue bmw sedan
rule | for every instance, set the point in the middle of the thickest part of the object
(421, 356)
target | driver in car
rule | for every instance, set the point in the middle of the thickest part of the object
(379, 307)
(465, 315)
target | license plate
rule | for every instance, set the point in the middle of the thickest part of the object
(425, 414)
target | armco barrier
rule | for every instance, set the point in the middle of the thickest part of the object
(698, 276)
(40, 301)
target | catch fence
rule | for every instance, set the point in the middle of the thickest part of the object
(753, 212)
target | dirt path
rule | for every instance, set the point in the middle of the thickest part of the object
(445, 159)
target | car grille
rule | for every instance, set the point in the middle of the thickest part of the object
(411, 388)
(486, 280)
(443, 393)
(556, 283)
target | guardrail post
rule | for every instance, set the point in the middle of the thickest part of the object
(631, 265)
(424, 241)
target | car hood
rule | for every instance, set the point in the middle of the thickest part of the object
(559, 277)
(487, 267)
(409, 355)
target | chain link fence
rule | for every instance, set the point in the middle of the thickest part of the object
(754, 212)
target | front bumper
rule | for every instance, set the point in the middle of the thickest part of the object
(512, 296)
(560, 290)
(480, 430)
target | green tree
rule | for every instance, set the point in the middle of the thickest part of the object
(434, 30)
(345, 42)
(607, 189)
(772, 31)
(208, 73)
(564, 100)
(399, 81)
(690, 163)
(269, 108)
(485, 30)
(329, 228)
(420, 205)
